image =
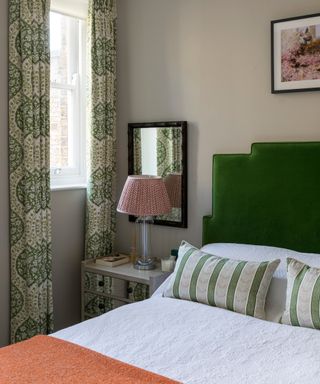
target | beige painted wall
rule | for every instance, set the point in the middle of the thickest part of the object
(208, 62)
(68, 215)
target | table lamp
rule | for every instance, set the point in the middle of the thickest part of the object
(144, 196)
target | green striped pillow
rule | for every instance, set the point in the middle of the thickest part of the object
(303, 295)
(240, 286)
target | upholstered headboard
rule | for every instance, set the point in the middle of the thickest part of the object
(269, 197)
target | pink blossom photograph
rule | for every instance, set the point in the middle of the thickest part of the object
(300, 53)
(296, 54)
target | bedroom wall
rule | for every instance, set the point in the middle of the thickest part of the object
(68, 221)
(208, 62)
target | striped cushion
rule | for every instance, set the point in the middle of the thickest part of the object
(303, 295)
(239, 286)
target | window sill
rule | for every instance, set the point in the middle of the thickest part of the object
(70, 187)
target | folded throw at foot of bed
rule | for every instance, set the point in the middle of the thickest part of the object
(45, 359)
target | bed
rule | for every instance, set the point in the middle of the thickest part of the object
(263, 203)
(196, 343)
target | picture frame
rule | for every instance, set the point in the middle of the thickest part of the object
(295, 54)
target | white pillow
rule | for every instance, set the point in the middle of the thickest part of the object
(276, 298)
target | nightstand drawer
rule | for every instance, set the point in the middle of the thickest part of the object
(105, 288)
(97, 292)
(105, 284)
(96, 305)
(138, 291)
(97, 283)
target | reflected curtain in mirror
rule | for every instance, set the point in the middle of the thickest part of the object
(137, 166)
(169, 151)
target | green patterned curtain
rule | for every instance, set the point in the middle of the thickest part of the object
(101, 205)
(30, 216)
(137, 152)
(169, 160)
(169, 151)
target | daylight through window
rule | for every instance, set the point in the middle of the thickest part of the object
(67, 100)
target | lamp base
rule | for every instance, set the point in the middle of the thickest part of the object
(144, 265)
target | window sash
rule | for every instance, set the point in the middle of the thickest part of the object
(75, 173)
(68, 87)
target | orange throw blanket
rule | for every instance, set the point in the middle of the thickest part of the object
(47, 360)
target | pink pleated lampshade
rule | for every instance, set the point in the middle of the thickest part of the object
(173, 184)
(144, 196)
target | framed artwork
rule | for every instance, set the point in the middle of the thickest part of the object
(295, 54)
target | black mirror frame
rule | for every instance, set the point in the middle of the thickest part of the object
(183, 223)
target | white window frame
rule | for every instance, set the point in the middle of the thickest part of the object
(72, 177)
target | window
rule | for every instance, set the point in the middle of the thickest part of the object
(67, 100)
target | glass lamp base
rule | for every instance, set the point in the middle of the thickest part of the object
(144, 264)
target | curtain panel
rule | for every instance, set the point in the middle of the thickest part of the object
(137, 151)
(169, 154)
(101, 203)
(29, 168)
(169, 160)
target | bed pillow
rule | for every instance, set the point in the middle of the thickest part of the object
(303, 295)
(238, 285)
(252, 252)
(276, 297)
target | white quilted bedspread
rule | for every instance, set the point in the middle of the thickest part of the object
(195, 343)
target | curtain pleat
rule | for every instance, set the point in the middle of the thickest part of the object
(29, 168)
(101, 204)
(137, 151)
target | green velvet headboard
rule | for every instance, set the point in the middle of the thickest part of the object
(269, 197)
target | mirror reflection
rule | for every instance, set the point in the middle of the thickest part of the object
(158, 149)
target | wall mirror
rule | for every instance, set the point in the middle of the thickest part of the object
(160, 149)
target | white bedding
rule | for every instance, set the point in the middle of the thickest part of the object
(196, 343)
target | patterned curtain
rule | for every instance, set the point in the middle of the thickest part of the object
(169, 151)
(101, 205)
(30, 216)
(169, 160)
(137, 152)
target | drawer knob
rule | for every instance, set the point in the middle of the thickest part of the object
(101, 283)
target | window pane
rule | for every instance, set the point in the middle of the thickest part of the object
(60, 105)
(64, 47)
(67, 102)
(64, 51)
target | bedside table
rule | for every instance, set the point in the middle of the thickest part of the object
(105, 288)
